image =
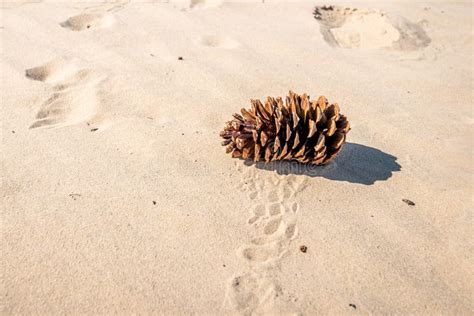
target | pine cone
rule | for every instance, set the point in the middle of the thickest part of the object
(302, 130)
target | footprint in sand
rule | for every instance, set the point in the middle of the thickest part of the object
(368, 29)
(54, 71)
(273, 218)
(218, 42)
(204, 3)
(86, 21)
(96, 16)
(73, 97)
(185, 5)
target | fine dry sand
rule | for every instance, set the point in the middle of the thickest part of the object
(118, 198)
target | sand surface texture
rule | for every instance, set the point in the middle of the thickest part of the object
(118, 198)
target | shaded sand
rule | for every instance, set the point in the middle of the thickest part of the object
(118, 198)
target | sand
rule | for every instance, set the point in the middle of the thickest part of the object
(118, 198)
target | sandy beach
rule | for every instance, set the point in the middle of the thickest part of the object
(118, 198)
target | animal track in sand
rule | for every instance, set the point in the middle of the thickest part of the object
(218, 42)
(368, 29)
(274, 221)
(251, 290)
(86, 21)
(73, 97)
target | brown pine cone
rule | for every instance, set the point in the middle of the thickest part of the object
(299, 129)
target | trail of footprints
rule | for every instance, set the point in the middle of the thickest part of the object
(74, 90)
(74, 94)
(273, 219)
